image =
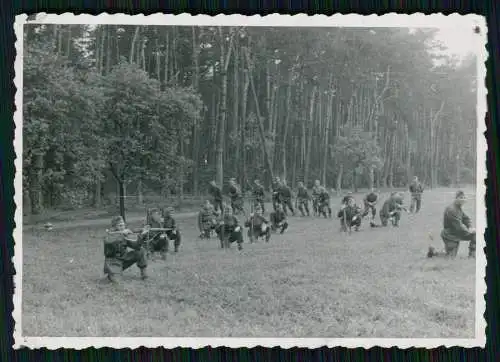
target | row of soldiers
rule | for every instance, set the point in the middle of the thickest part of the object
(161, 227)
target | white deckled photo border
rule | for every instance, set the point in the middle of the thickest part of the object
(301, 20)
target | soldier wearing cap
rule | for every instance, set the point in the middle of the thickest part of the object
(117, 255)
(303, 199)
(416, 190)
(236, 197)
(158, 240)
(207, 220)
(275, 189)
(457, 226)
(229, 229)
(258, 226)
(169, 223)
(324, 202)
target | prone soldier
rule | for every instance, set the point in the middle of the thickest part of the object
(303, 199)
(117, 256)
(391, 210)
(457, 226)
(258, 226)
(279, 219)
(207, 220)
(416, 190)
(229, 229)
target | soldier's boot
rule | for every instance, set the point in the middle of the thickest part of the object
(113, 278)
(284, 227)
(431, 252)
(268, 235)
(144, 274)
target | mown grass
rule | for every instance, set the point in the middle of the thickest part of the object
(312, 281)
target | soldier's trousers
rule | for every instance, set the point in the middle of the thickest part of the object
(237, 206)
(287, 203)
(416, 202)
(160, 243)
(115, 266)
(231, 237)
(315, 205)
(260, 203)
(370, 209)
(259, 231)
(303, 205)
(350, 223)
(324, 207)
(396, 216)
(451, 246)
(174, 235)
(218, 206)
(206, 230)
(282, 225)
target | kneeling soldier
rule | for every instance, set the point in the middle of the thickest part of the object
(303, 199)
(370, 210)
(350, 216)
(278, 219)
(172, 233)
(229, 229)
(207, 220)
(391, 210)
(258, 226)
(156, 234)
(456, 227)
(117, 257)
(324, 202)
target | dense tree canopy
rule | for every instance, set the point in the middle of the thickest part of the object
(170, 108)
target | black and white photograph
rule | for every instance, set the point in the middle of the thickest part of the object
(239, 181)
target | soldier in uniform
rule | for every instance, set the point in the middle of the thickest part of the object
(236, 197)
(116, 253)
(324, 202)
(216, 193)
(391, 210)
(316, 191)
(169, 223)
(370, 203)
(285, 197)
(303, 199)
(279, 220)
(207, 220)
(457, 226)
(229, 229)
(350, 215)
(258, 195)
(416, 190)
(258, 226)
(158, 240)
(275, 188)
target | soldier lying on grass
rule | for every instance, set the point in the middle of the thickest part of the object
(457, 226)
(258, 226)
(116, 253)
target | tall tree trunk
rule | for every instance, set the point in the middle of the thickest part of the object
(338, 185)
(196, 126)
(236, 116)
(287, 121)
(244, 102)
(224, 61)
(36, 184)
(309, 141)
(327, 133)
(133, 44)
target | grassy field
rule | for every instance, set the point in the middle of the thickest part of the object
(313, 281)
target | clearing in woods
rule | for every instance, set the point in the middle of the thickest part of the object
(313, 281)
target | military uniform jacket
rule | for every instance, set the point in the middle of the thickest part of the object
(206, 218)
(279, 216)
(284, 193)
(316, 192)
(234, 192)
(455, 224)
(416, 189)
(350, 212)
(324, 197)
(216, 193)
(258, 193)
(256, 221)
(302, 194)
(115, 245)
(391, 205)
(229, 223)
(169, 222)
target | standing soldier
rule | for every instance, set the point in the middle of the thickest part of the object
(258, 195)
(316, 191)
(416, 190)
(207, 220)
(370, 202)
(216, 193)
(172, 233)
(258, 226)
(236, 197)
(391, 210)
(303, 199)
(457, 226)
(324, 202)
(285, 197)
(117, 257)
(229, 229)
(278, 219)
(275, 187)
